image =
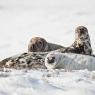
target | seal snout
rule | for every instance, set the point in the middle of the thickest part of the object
(51, 60)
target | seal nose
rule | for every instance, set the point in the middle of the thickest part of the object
(50, 60)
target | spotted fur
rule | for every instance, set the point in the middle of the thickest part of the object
(82, 40)
(82, 44)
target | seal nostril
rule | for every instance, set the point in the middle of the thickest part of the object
(51, 60)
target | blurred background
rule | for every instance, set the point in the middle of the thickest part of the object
(54, 20)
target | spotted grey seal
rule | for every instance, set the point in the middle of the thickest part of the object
(82, 44)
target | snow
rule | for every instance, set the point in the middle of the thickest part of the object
(56, 21)
(45, 82)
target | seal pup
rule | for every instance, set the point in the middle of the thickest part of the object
(82, 44)
(38, 44)
(69, 61)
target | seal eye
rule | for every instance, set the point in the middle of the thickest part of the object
(50, 60)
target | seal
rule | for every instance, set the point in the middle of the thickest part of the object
(82, 44)
(38, 44)
(69, 61)
(82, 40)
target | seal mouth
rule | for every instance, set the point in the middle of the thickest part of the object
(51, 60)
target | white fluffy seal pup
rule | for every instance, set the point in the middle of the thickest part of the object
(69, 61)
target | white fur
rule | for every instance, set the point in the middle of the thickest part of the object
(70, 61)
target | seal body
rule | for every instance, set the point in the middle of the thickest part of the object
(38, 44)
(69, 61)
(82, 40)
(82, 44)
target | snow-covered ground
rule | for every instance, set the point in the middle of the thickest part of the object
(56, 21)
(45, 82)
